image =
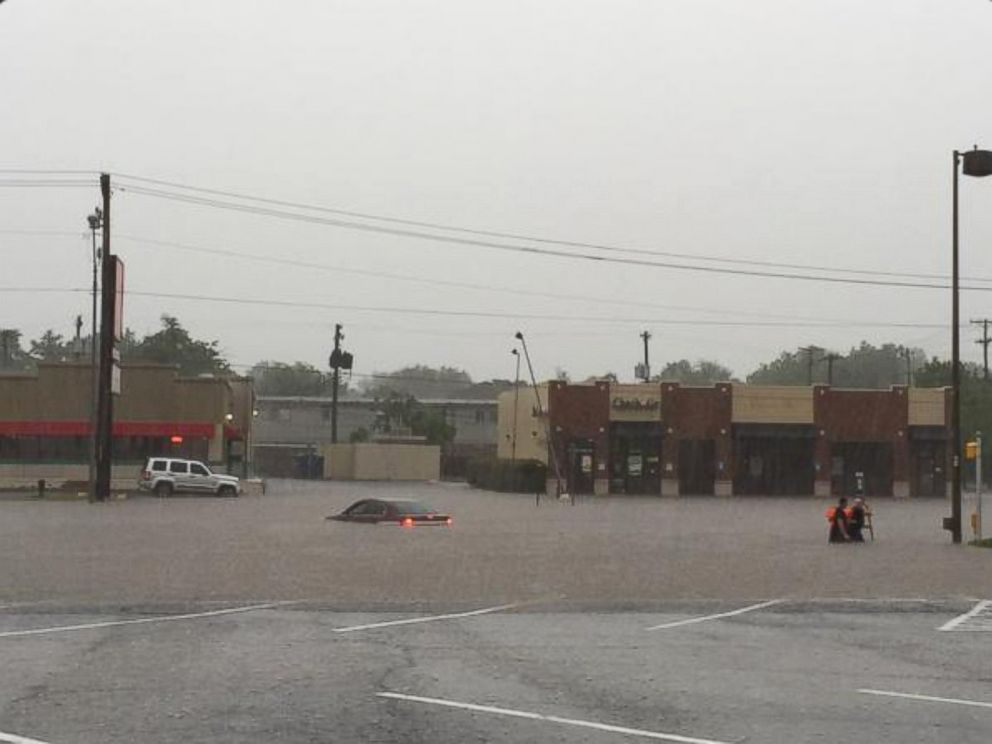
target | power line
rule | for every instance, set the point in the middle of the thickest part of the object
(521, 236)
(43, 232)
(47, 183)
(48, 172)
(469, 285)
(519, 316)
(489, 233)
(487, 314)
(293, 216)
(443, 282)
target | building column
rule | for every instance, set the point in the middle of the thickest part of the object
(822, 465)
(670, 466)
(900, 465)
(724, 452)
(601, 463)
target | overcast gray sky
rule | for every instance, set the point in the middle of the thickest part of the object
(814, 132)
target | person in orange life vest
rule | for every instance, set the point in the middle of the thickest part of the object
(838, 522)
(856, 520)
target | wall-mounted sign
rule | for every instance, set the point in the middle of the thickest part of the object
(636, 404)
(586, 464)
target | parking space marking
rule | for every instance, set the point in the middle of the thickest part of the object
(704, 618)
(426, 618)
(140, 620)
(549, 719)
(974, 619)
(926, 698)
(15, 739)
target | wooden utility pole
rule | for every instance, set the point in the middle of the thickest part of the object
(830, 359)
(339, 360)
(647, 364)
(984, 342)
(810, 351)
(908, 354)
(337, 380)
(105, 398)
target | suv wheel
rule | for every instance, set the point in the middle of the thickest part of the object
(229, 491)
(163, 489)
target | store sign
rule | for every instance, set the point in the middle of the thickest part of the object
(635, 403)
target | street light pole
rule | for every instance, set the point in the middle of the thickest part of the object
(540, 410)
(516, 406)
(976, 163)
(955, 525)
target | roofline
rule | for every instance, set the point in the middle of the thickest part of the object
(359, 401)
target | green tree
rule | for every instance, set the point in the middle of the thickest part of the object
(12, 357)
(404, 414)
(703, 372)
(419, 381)
(864, 366)
(605, 377)
(51, 347)
(174, 345)
(789, 368)
(361, 434)
(298, 378)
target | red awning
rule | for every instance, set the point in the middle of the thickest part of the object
(121, 428)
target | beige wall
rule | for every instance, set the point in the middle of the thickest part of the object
(774, 404)
(635, 402)
(532, 441)
(61, 392)
(926, 406)
(375, 461)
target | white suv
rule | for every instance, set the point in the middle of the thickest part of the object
(166, 475)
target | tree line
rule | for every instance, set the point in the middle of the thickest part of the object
(862, 366)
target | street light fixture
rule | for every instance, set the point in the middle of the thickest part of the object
(976, 163)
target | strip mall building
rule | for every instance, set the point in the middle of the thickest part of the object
(45, 426)
(732, 439)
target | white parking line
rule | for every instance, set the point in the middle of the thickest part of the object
(961, 619)
(927, 698)
(137, 621)
(549, 719)
(718, 615)
(425, 619)
(15, 739)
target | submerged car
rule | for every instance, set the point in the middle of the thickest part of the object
(404, 512)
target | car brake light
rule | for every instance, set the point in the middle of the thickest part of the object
(448, 521)
(407, 522)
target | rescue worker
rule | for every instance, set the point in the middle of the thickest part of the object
(856, 520)
(838, 523)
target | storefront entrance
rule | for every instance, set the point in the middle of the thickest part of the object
(928, 468)
(773, 460)
(635, 458)
(581, 466)
(697, 466)
(869, 461)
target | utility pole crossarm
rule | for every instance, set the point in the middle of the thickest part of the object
(984, 343)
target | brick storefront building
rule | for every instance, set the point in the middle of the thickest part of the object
(726, 439)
